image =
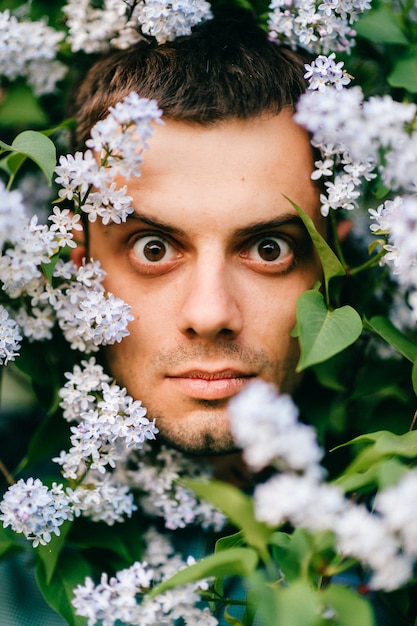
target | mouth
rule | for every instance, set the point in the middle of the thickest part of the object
(210, 385)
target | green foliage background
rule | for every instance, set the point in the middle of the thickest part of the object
(346, 394)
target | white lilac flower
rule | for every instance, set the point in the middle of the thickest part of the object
(167, 20)
(122, 136)
(88, 316)
(20, 270)
(113, 599)
(318, 26)
(36, 324)
(157, 478)
(108, 422)
(119, 141)
(385, 215)
(300, 500)
(63, 223)
(10, 337)
(398, 506)
(324, 72)
(29, 507)
(78, 392)
(28, 49)
(265, 424)
(94, 29)
(397, 219)
(368, 538)
(102, 499)
(123, 599)
(12, 215)
(77, 174)
(399, 168)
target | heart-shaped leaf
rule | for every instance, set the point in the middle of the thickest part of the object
(323, 333)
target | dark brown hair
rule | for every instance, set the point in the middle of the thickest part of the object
(226, 68)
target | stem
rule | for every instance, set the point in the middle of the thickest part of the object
(413, 421)
(9, 478)
(372, 261)
(336, 240)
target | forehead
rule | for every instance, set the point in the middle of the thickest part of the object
(234, 172)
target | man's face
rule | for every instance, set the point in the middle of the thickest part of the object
(212, 263)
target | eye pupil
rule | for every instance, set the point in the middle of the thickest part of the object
(154, 250)
(269, 250)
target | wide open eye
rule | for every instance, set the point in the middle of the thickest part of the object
(270, 249)
(153, 249)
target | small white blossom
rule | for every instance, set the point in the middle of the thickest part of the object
(102, 499)
(317, 26)
(34, 510)
(265, 424)
(123, 599)
(167, 20)
(28, 49)
(398, 506)
(10, 337)
(157, 479)
(94, 29)
(300, 500)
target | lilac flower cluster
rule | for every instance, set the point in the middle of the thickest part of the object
(167, 20)
(361, 140)
(29, 48)
(122, 598)
(119, 24)
(157, 477)
(114, 149)
(299, 495)
(29, 507)
(108, 422)
(108, 425)
(74, 298)
(281, 440)
(318, 26)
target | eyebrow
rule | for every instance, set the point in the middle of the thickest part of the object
(287, 219)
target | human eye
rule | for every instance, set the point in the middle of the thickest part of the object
(153, 253)
(270, 253)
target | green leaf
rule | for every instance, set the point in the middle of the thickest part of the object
(49, 554)
(39, 148)
(72, 570)
(12, 163)
(295, 605)
(48, 268)
(378, 476)
(234, 562)
(386, 329)
(51, 435)
(231, 541)
(232, 621)
(379, 446)
(87, 535)
(20, 108)
(414, 376)
(323, 333)
(404, 73)
(239, 508)
(350, 608)
(332, 267)
(381, 25)
(9, 541)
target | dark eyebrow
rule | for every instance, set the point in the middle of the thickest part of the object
(288, 219)
(144, 219)
(259, 227)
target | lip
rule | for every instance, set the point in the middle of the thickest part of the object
(210, 385)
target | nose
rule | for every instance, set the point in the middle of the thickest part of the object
(210, 308)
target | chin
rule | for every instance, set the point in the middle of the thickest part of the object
(201, 443)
